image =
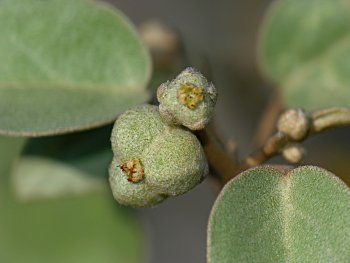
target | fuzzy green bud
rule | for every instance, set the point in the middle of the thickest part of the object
(153, 157)
(134, 130)
(130, 193)
(187, 100)
(174, 163)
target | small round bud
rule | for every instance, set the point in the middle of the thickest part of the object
(175, 162)
(294, 123)
(188, 100)
(131, 193)
(134, 130)
(293, 152)
(156, 160)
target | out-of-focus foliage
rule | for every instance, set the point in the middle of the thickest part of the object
(61, 166)
(305, 49)
(85, 229)
(72, 65)
(66, 66)
(10, 148)
(38, 178)
(275, 215)
(82, 229)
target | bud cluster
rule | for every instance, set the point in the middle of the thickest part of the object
(155, 155)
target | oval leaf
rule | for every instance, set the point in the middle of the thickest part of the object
(272, 215)
(87, 230)
(44, 178)
(66, 165)
(66, 66)
(305, 49)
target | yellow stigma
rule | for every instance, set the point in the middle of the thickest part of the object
(133, 170)
(190, 95)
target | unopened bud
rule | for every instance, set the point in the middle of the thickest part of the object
(294, 123)
(187, 100)
(293, 152)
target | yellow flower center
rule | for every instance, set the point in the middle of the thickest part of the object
(133, 170)
(190, 95)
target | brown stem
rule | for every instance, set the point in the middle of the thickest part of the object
(268, 120)
(329, 118)
(221, 163)
(319, 121)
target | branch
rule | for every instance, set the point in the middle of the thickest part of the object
(319, 121)
(227, 168)
(268, 120)
(221, 162)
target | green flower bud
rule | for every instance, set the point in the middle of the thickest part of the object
(135, 194)
(174, 162)
(188, 100)
(154, 157)
(135, 129)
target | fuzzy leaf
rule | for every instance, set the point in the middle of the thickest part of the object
(305, 49)
(274, 215)
(66, 66)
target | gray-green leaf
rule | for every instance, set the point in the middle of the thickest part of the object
(66, 66)
(305, 49)
(65, 165)
(43, 178)
(274, 215)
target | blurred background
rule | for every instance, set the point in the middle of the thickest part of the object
(219, 38)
